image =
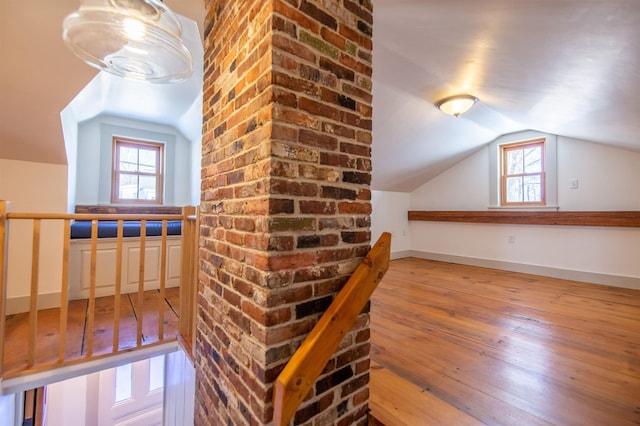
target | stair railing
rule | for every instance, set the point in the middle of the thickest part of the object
(304, 367)
(188, 262)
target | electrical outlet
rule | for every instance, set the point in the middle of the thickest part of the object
(511, 239)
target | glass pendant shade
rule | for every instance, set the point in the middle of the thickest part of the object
(138, 39)
(456, 105)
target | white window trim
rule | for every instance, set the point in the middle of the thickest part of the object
(551, 170)
(160, 182)
(176, 165)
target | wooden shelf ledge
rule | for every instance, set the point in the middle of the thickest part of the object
(563, 218)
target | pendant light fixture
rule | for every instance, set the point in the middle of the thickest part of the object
(137, 39)
(457, 104)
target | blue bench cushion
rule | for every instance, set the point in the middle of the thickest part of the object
(109, 229)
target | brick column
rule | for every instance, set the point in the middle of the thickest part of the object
(286, 173)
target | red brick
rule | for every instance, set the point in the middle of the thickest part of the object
(317, 139)
(303, 189)
(317, 207)
(264, 316)
(291, 261)
(286, 168)
(318, 108)
(289, 295)
(354, 208)
(295, 117)
(284, 133)
(293, 47)
(300, 18)
(338, 130)
(290, 331)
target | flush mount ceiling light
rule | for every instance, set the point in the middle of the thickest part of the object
(138, 39)
(457, 104)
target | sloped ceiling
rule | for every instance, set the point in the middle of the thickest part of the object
(569, 67)
(39, 77)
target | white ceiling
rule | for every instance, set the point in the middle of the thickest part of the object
(569, 67)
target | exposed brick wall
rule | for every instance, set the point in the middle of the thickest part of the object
(285, 201)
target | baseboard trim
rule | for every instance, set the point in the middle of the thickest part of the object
(401, 254)
(16, 305)
(545, 271)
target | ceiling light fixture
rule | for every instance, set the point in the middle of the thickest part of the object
(138, 39)
(457, 104)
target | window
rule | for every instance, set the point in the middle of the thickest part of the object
(137, 172)
(549, 166)
(123, 383)
(522, 181)
(156, 373)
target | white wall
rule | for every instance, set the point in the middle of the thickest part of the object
(457, 188)
(67, 401)
(608, 180)
(196, 171)
(389, 214)
(94, 156)
(179, 390)
(8, 409)
(33, 187)
(70, 132)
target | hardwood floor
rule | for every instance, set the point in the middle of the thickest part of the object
(462, 345)
(48, 333)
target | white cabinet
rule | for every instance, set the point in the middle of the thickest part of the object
(106, 258)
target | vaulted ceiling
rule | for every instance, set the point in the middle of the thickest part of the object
(568, 67)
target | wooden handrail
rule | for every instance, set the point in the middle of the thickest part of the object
(304, 367)
(33, 355)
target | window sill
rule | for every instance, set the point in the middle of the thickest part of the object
(128, 209)
(525, 209)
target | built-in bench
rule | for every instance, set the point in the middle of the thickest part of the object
(106, 255)
(109, 229)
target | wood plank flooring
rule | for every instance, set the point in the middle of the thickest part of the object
(462, 345)
(48, 329)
